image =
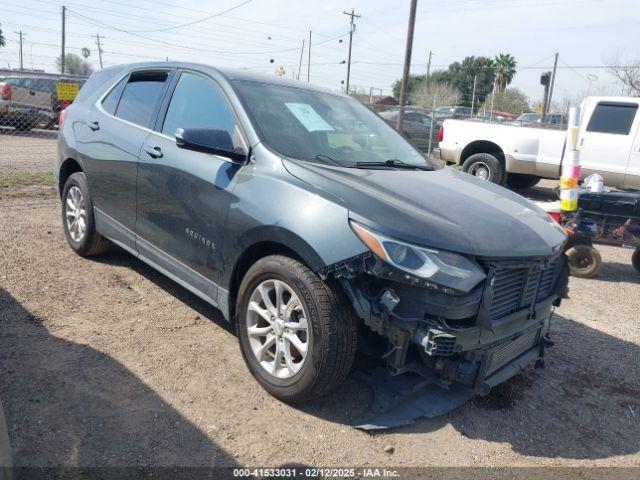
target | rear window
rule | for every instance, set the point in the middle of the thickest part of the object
(110, 102)
(615, 118)
(140, 96)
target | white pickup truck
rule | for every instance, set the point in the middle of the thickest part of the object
(519, 156)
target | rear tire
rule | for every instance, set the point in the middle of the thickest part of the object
(309, 366)
(520, 181)
(584, 261)
(77, 206)
(635, 259)
(484, 166)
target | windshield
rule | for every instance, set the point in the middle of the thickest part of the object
(322, 127)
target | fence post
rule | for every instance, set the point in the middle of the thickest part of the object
(433, 119)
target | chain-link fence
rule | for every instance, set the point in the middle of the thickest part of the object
(31, 102)
(30, 106)
(422, 126)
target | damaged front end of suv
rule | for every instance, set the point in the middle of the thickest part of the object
(452, 318)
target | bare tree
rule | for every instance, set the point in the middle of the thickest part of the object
(510, 100)
(627, 72)
(434, 94)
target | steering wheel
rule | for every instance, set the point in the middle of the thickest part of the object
(345, 148)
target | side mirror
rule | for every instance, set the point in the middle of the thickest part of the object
(209, 140)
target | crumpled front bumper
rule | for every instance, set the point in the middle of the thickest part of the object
(487, 358)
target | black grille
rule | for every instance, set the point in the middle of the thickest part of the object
(518, 285)
(511, 350)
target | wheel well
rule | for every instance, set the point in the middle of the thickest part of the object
(482, 146)
(250, 256)
(68, 168)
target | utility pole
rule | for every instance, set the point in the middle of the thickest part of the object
(309, 60)
(553, 80)
(545, 79)
(351, 30)
(429, 66)
(20, 36)
(64, 21)
(407, 64)
(300, 64)
(99, 49)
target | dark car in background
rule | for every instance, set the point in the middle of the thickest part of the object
(417, 126)
(311, 224)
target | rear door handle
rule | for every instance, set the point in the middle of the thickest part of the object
(94, 126)
(153, 152)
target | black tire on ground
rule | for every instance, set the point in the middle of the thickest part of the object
(635, 259)
(485, 166)
(520, 181)
(92, 243)
(331, 326)
(584, 261)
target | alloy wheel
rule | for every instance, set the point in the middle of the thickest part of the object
(75, 214)
(278, 329)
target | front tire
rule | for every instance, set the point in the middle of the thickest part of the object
(484, 166)
(296, 335)
(78, 220)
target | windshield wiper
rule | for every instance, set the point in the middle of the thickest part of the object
(394, 163)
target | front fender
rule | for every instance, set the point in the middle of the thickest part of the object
(271, 205)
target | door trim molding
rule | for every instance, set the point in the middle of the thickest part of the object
(166, 264)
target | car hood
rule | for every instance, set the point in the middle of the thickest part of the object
(443, 209)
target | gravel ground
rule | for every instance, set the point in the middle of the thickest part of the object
(105, 362)
(32, 152)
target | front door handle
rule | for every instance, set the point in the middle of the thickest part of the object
(153, 152)
(94, 126)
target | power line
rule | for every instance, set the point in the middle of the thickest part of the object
(197, 21)
(162, 42)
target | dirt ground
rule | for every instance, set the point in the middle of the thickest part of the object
(104, 362)
(27, 152)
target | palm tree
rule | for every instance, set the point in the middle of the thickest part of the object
(505, 68)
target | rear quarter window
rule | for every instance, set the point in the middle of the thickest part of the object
(140, 97)
(95, 82)
(610, 117)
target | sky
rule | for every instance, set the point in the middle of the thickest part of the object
(262, 35)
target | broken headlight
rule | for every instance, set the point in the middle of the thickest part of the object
(453, 272)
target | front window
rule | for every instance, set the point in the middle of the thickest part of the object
(323, 127)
